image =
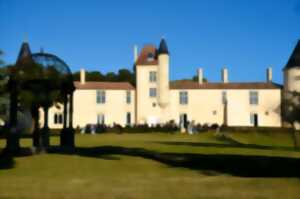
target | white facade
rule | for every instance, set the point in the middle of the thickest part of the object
(157, 100)
(116, 106)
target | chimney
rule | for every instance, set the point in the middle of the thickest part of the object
(200, 75)
(82, 76)
(225, 75)
(269, 74)
(135, 53)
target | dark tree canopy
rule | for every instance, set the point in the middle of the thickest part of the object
(195, 78)
(1, 61)
(123, 75)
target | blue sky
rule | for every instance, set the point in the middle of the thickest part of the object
(246, 35)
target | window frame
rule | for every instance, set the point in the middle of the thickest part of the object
(100, 96)
(152, 76)
(128, 97)
(253, 98)
(150, 57)
(152, 92)
(183, 97)
(58, 118)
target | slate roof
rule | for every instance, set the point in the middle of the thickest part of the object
(294, 60)
(25, 52)
(163, 47)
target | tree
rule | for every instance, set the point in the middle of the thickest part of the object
(123, 75)
(292, 104)
(292, 113)
(195, 79)
(4, 97)
(1, 61)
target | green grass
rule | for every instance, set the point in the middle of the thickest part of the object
(134, 175)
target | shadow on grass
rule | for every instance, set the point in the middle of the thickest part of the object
(237, 165)
(230, 143)
(6, 161)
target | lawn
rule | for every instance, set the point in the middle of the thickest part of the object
(156, 165)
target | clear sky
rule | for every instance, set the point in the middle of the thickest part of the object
(244, 35)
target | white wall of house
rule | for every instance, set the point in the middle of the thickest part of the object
(114, 109)
(148, 109)
(205, 106)
(268, 108)
(86, 108)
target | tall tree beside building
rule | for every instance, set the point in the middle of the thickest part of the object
(292, 103)
(1, 61)
(123, 75)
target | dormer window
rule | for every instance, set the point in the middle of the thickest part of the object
(150, 57)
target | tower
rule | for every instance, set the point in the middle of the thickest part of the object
(163, 74)
(292, 71)
(291, 75)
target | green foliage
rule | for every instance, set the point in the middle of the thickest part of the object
(195, 79)
(4, 98)
(292, 104)
(1, 61)
(123, 75)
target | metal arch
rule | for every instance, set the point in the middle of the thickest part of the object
(46, 59)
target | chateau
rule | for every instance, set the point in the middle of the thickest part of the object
(157, 100)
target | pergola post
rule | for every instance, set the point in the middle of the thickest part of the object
(13, 137)
(71, 111)
(67, 134)
(45, 131)
(65, 111)
(71, 132)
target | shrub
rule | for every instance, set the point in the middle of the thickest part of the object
(214, 126)
(88, 128)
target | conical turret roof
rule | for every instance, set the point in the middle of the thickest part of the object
(163, 47)
(24, 52)
(294, 60)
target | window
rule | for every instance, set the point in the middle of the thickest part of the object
(152, 76)
(128, 118)
(58, 118)
(100, 119)
(183, 97)
(152, 92)
(128, 97)
(100, 97)
(224, 97)
(254, 119)
(253, 97)
(150, 57)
